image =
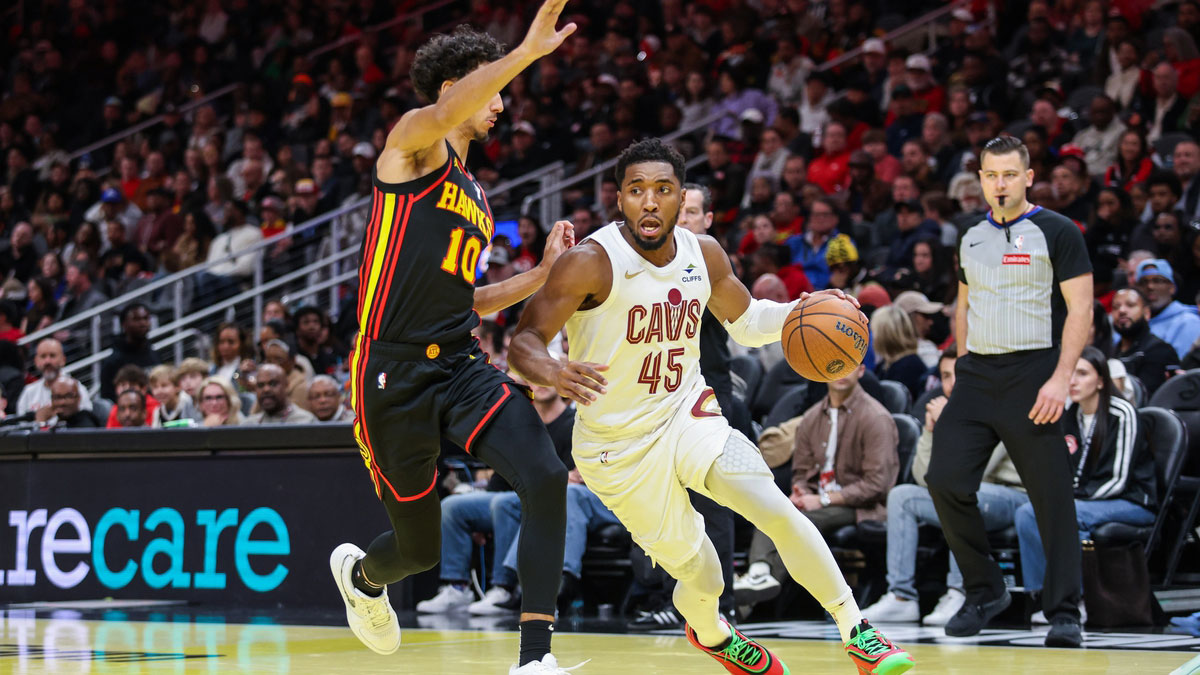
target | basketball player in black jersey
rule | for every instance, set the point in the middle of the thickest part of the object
(418, 374)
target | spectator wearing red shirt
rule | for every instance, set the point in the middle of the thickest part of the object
(762, 232)
(930, 96)
(1133, 163)
(10, 322)
(887, 167)
(774, 259)
(831, 171)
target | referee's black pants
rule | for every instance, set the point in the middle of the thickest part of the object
(990, 403)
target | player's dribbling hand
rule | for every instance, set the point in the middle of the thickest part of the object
(561, 238)
(1051, 400)
(580, 381)
(542, 37)
(841, 295)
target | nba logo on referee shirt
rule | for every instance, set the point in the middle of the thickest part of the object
(382, 380)
(1020, 241)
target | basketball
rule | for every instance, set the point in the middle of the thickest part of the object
(824, 338)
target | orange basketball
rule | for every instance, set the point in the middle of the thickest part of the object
(824, 338)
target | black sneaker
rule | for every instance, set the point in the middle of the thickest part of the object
(1064, 632)
(662, 619)
(974, 616)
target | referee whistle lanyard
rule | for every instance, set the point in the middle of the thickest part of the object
(1085, 443)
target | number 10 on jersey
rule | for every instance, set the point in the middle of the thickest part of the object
(468, 255)
(652, 370)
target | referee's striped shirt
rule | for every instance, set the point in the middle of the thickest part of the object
(1014, 300)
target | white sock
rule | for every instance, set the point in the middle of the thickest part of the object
(845, 612)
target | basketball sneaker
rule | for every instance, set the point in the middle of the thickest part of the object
(547, 666)
(372, 620)
(874, 654)
(741, 654)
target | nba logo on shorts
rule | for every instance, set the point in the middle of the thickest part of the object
(604, 457)
(382, 380)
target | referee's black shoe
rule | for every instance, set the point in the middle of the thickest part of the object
(974, 616)
(1064, 632)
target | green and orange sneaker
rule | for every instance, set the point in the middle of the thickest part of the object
(874, 654)
(742, 655)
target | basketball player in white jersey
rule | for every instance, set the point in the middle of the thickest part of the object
(631, 297)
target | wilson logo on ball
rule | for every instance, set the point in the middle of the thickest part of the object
(860, 343)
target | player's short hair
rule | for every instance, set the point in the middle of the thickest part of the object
(650, 150)
(1002, 145)
(705, 195)
(451, 57)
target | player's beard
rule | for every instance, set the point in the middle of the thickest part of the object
(653, 244)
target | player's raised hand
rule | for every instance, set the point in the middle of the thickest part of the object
(561, 238)
(580, 381)
(543, 37)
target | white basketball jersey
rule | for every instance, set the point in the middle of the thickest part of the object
(648, 332)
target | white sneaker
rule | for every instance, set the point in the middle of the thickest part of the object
(891, 608)
(448, 599)
(947, 606)
(756, 585)
(490, 604)
(547, 666)
(372, 620)
(1039, 617)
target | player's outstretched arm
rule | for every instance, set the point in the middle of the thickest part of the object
(751, 322)
(495, 297)
(420, 129)
(581, 275)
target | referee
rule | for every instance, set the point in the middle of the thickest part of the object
(1024, 309)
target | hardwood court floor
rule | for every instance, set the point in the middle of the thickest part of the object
(182, 644)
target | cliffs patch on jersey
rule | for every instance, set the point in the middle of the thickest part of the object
(663, 321)
(460, 201)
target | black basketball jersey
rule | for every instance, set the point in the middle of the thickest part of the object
(420, 256)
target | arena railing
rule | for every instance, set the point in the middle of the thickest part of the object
(228, 89)
(551, 209)
(928, 21)
(319, 258)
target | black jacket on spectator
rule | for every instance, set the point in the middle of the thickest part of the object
(1149, 359)
(1122, 468)
(123, 354)
(22, 267)
(84, 419)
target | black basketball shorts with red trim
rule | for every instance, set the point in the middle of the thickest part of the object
(406, 401)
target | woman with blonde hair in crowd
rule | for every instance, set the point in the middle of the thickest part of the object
(219, 403)
(895, 339)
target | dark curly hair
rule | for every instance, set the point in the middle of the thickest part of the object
(451, 57)
(650, 150)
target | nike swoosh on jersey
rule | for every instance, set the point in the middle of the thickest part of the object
(974, 244)
(630, 276)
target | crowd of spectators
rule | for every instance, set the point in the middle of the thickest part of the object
(859, 177)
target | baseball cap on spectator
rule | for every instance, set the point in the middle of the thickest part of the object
(978, 117)
(305, 186)
(874, 46)
(364, 149)
(341, 100)
(841, 250)
(874, 295)
(302, 78)
(752, 115)
(273, 203)
(111, 196)
(916, 301)
(962, 14)
(918, 62)
(910, 204)
(1071, 150)
(861, 158)
(610, 80)
(524, 127)
(1154, 267)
